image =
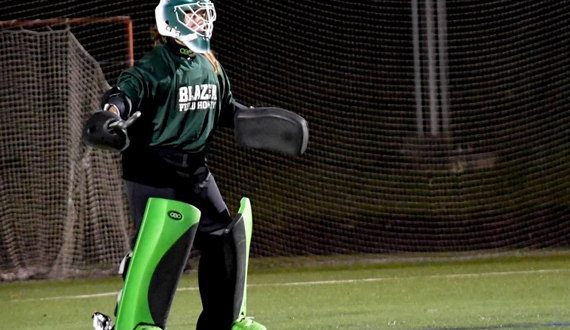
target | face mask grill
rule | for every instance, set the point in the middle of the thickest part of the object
(198, 18)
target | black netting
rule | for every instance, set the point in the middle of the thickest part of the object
(497, 177)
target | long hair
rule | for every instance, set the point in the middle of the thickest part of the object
(161, 40)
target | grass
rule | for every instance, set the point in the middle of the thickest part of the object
(360, 293)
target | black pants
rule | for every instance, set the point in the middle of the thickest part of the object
(201, 192)
(195, 185)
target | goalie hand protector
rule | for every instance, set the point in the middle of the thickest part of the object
(102, 131)
(273, 129)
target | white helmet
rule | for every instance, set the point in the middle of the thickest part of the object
(189, 21)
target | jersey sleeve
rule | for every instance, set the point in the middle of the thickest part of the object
(133, 83)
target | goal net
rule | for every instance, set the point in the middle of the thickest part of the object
(435, 126)
(61, 210)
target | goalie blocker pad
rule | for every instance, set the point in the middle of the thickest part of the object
(273, 129)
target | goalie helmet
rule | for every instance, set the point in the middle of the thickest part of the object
(189, 21)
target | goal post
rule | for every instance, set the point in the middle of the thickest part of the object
(62, 210)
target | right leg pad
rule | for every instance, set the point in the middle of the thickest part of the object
(160, 253)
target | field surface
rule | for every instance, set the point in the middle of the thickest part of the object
(496, 292)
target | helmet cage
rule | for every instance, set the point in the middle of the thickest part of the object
(198, 18)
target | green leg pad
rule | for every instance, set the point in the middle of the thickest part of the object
(160, 253)
(241, 235)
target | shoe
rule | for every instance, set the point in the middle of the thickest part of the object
(248, 323)
(102, 322)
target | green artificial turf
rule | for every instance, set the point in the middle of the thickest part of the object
(492, 293)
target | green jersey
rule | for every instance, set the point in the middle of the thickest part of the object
(181, 99)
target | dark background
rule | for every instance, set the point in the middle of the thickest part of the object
(368, 183)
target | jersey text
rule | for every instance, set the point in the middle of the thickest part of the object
(198, 97)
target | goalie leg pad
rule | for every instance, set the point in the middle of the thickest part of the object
(238, 234)
(223, 272)
(159, 256)
(272, 129)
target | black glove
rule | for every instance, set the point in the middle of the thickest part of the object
(105, 130)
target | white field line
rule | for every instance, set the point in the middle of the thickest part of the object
(329, 282)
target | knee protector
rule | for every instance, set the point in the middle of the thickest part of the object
(160, 253)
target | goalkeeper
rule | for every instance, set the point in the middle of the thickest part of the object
(182, 93)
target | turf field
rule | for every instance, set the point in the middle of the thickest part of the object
(493, 292)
